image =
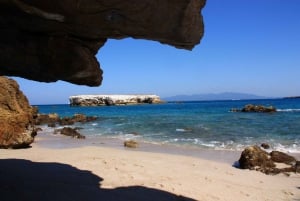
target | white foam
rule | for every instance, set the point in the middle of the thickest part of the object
(294, 148)
(289, 110)
(183, 130)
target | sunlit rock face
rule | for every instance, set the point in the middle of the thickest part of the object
(16, 116)
(58, 39)
(108, 100)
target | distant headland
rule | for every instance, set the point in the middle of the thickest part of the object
(292, 97)
(108, 100)
(215, 96)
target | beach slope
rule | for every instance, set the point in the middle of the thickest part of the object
(96, 173)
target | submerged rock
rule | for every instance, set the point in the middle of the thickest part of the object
(16, 116)
(254, 158)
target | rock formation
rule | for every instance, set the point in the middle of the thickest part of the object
(52, 119)
(68, 131)
(131, 144)
(58, 39)
(254, 158)
(16, 116)
(255, 108)
(265, 145)
(101, 100)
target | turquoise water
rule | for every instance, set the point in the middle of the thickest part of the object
(205, 124)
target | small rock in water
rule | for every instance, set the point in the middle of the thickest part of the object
(258, 108)
(130, 144)
(255, 108)
(265, 146)
(72, 132)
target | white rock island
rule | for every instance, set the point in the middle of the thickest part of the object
(107, 100)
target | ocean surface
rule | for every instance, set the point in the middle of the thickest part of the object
(203, 124)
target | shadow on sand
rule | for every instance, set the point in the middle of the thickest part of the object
(24, 180)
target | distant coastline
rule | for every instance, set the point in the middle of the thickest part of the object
(292, 97)
(215, 97)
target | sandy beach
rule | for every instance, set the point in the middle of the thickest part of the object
(105, 173)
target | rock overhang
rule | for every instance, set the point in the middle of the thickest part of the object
(58, 39)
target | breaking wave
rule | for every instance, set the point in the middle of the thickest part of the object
(288, 110)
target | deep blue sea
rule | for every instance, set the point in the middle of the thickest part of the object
(204, 124)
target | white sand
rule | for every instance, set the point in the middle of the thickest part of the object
(96, 173)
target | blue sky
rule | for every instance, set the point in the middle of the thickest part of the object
(250, 46)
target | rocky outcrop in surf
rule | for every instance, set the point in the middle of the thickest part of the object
(255, 108)
(52, 120)
(107, 100)
(68, 131)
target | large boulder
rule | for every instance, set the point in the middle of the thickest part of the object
(16, 116)
(254, 158)
(58, 39)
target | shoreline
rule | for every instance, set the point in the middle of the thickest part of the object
(49, 140)
(89, 172)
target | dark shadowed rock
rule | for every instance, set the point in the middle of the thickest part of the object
(66, 121)
(68, 131)
(297, 166)
(16, 116)
(49, 119)
(281, 157)
(58, 39)
(265, 146)
(52, 119)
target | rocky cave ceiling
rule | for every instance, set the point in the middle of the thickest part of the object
(54, 40)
